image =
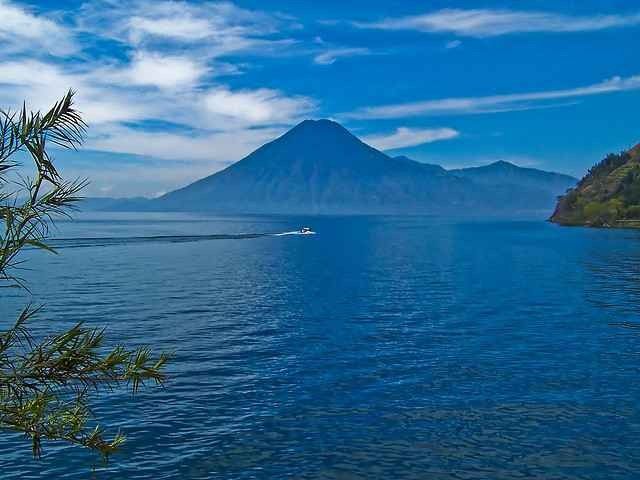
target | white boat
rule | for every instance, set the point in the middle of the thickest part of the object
(306, 231)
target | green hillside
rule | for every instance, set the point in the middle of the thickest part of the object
(608, 196)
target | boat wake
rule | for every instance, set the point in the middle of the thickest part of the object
(297, 232)
(113, 241)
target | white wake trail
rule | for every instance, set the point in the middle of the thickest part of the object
(293, 233)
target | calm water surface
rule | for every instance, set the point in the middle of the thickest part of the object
(392, 348)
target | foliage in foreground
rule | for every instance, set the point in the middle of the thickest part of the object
(46, 384)
(609, 195)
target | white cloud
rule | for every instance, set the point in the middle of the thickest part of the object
(173, 159)
(183, 27)
(217, 125)
(256, 106)
(116, 178)
(212, 29)
(494, 103)
(329, 56)
(410, 137)
(22, 30)
(490, 23)
(103, 100)
(164, 71)
(453, 44)
(162, 67)
(40, 84)
(215, 149)
(33, 73)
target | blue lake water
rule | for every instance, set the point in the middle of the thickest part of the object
(382, 347)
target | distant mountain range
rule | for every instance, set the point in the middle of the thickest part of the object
(608, 196)
(319, 167)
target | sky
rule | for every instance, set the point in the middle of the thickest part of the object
(174, 91)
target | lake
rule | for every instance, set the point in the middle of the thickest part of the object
(382, 347)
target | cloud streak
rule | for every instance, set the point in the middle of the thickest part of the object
(157, 93)
(481, 23)
(209, 147)
(255, 107)
(113, 97)
(404, 137)
(213, 29)
(164, 71)
(330, 56)
(493, 103)
(21, 30)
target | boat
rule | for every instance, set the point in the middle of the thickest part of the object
(306, 231)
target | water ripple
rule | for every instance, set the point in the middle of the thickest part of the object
(383, 347)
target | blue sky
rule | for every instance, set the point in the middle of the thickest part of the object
(174, 91)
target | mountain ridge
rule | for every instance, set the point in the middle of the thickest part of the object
(607, 196)
(319, 167)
